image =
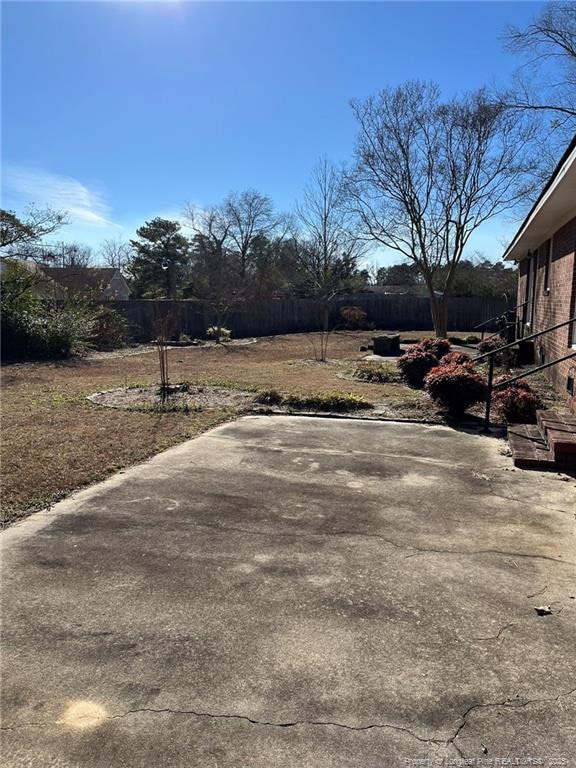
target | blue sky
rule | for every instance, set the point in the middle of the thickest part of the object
(122, 111)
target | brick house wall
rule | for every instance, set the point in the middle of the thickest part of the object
(552, 286)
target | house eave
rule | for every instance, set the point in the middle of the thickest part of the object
(555, 207)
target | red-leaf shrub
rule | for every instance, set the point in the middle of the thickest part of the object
(415, 364)
(456, 358)
(455, 387)
(490, 344)
(519, 383)
(518, 402)
(506, 358)
(438, 347)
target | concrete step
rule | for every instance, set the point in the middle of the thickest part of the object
(529, 447)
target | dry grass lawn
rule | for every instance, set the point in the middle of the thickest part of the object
(54, 440)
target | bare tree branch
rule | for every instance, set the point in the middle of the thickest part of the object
(428, 173)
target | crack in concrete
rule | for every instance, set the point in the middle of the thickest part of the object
(272, 724)
(540, 592)
(447, 742)
(506, 704)
(416, 550)
(496, 636)
(247, 719)
(533, 504)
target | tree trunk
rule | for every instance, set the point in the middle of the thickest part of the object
(325, 315)
(439, 310)
(324, 335)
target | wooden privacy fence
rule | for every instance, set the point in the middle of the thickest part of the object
(402, 312)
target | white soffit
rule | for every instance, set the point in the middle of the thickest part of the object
(556, 207)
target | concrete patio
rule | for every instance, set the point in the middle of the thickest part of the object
(291, 592)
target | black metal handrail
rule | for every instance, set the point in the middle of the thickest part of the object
(526, 338)
(504, 328)
(496, 317)
(490, 355)
(533, 370)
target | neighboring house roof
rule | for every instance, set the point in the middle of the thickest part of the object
(555, 206)
(46, 287)
(107, 281)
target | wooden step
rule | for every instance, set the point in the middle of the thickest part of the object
(552, 417)
(529, 447)
(560, 433)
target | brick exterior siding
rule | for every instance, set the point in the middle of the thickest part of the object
(553, 304)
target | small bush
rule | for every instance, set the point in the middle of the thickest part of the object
(438, 347)
(332, 401)
(49, 332)
(518, 402)
(218, 334)
(471, 339)
(166, 407)
(490, 344)
(415, 364)
(110, 329)
(456, 358)
(455, 387)
(269, 397)
(35, 327)
(353, 317)
(378, 373)
(507, 358)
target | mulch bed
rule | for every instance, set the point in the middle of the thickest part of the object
(207, 397)
(204, 397)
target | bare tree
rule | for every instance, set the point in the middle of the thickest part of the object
(116, 253)
(37, 222)
(65, 254)
(214, 274)
(250, 215)
(326, 245)
(547, 80)
(429, 173)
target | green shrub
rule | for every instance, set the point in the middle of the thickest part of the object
(19, 304)
(35, 327)
(167, 406)
(378, 373)
(455, 387)
(269, 397)
(415, 364)
(50, 332)
(110, 329)
(64, 331)
(332, 401)
(353, 317)
(471, 339)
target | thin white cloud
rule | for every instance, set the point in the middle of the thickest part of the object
(86, 206)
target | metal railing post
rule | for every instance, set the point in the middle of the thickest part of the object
(489, 394)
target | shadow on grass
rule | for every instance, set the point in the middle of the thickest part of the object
(58, 362)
